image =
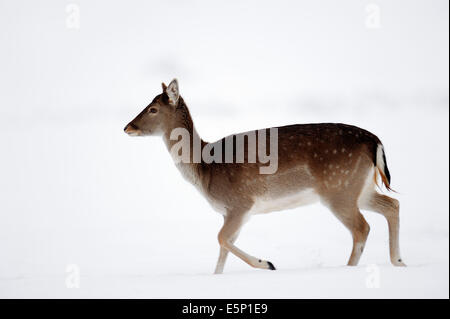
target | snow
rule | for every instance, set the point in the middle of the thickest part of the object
(75, 190)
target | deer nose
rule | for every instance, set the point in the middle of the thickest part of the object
(130, 127)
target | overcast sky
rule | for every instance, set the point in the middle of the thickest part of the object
(230, 53)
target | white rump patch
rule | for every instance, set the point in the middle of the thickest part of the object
(380, 161)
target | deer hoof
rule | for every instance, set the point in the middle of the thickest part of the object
(399, 263)
(271, 266)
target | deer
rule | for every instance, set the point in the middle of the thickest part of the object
(337, 165)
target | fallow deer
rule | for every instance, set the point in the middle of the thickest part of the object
(335, 164)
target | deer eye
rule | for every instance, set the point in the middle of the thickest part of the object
(153, 110)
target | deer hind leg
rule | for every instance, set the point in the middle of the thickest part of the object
(233, 223)
(352, 218)
(389, 208)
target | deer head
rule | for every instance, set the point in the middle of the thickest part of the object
(157, 116)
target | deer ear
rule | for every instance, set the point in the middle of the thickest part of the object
(172, 92)
(164, 87)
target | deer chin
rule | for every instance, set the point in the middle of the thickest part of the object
(134, 132)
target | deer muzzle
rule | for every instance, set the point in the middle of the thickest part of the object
(132, 130)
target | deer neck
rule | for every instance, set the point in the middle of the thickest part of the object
(190, 170)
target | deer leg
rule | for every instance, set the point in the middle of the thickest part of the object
(360, 231)
(221, 261)
(352, 218)
(223, 256)
(389, 208)
(232, 225)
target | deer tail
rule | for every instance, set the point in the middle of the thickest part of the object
(382, 167)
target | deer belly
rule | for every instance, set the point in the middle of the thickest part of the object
(269, 204)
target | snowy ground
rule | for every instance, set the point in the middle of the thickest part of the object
(116, 207)
(78, 195)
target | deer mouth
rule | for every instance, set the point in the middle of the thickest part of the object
(132, 130)
(134, 133)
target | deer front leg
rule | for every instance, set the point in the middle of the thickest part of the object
(223, 256)
(221, 261)
(233, 223)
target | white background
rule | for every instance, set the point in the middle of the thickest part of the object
(74, 189)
